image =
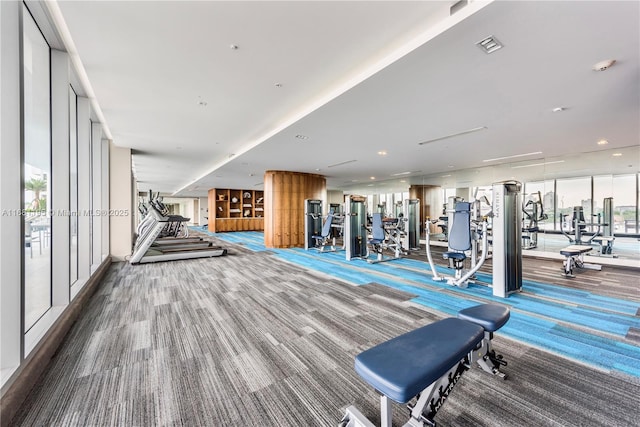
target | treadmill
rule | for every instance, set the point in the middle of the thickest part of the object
(144, 252)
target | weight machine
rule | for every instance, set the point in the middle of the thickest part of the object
(355, 230)
(533, 212)
(318, 234)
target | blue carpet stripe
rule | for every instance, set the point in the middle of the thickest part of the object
(533, 320)
(573, 296)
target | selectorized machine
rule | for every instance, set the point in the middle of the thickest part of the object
(533, 211)
(506, 229)
(318, 234)
(468, 229)
(355, 227)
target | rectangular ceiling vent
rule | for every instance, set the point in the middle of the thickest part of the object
(489, 44)
(457, 6)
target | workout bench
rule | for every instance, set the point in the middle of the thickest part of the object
(427, 363)
(575, 258)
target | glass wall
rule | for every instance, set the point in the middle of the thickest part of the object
(623, 190)
(541, 193)
(45, 175)
(36, 172)
(572, 193)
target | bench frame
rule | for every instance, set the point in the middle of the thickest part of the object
(575, 259)
(430, 400)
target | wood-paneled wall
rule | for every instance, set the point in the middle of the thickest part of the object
(430, 202)
(284, 195)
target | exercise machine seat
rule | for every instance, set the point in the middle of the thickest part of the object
(377, 229)
(326, 228)
(404, 366)
(460, 233)
(490, 316)
(458, 256)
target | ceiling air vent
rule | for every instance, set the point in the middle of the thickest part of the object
(489, 44)
(457, 6)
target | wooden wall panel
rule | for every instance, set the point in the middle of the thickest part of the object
(430, 202)
(284, 194)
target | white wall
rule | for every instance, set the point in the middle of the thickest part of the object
(204, 210)
(120, 198)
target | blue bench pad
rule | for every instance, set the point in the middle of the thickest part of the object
(404, 366)
(490, 316)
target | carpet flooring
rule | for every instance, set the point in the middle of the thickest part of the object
(258, 337)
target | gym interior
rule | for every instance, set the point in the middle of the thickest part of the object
(372, 213)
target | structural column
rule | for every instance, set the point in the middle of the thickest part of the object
(284, 196)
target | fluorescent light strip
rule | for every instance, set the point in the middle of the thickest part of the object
(342, 163)
(537, 164)
(375, 66)
(404, 173)
(464, 132)
(513, 157)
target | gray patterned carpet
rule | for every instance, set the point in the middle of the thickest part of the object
(248, 340)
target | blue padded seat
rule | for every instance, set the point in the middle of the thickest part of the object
(404, 366)
(458, 256)
(490, 316)
(377, 229)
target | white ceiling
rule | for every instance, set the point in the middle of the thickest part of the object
(357, 78)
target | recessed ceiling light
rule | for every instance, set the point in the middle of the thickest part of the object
(617, 154)
(602, 142)
(233, 47)
(558, 109)
(489, 44)
(318, 169)
(202, 103)
(372, 177)
(382, 153)
(403, 180)
(513, 157)
(445, 176)
(302, 136)
(278, 85)
(450, 166)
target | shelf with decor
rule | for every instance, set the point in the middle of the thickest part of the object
(236, 210)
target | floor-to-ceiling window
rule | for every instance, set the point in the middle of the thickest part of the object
(73, 186)
(36, 171)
